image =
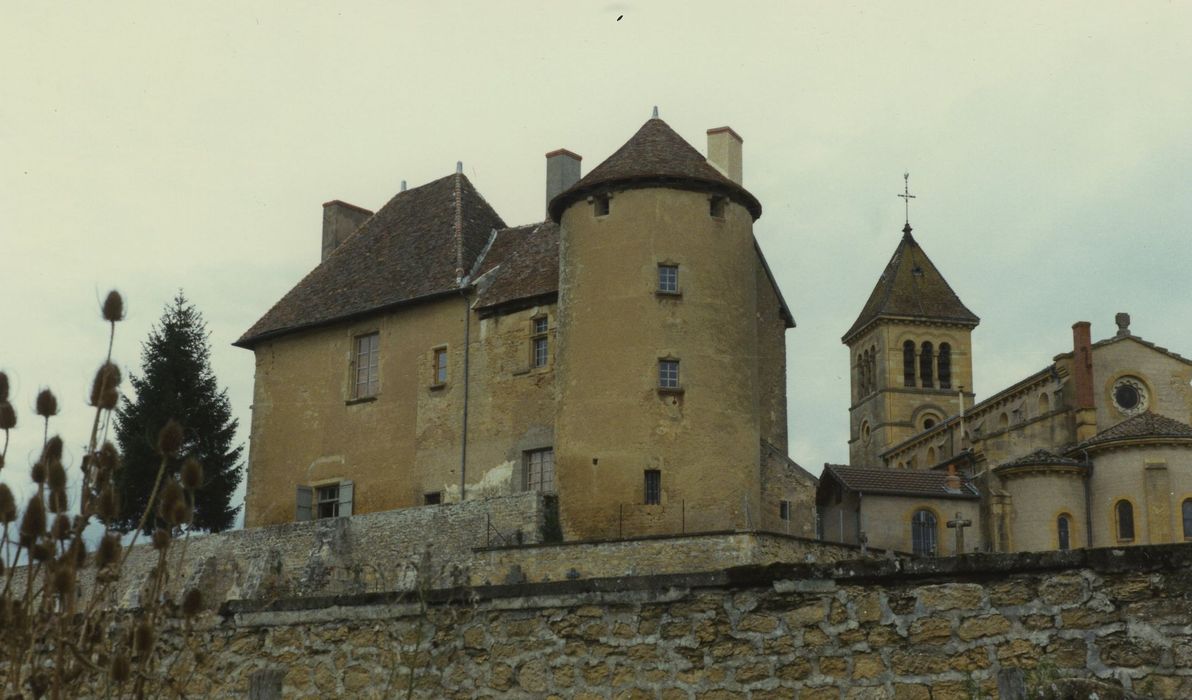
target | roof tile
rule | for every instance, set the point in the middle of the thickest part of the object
(1144, 425)
(898, 482)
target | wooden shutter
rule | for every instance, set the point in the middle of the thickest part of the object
(304, 500)
(345, 498)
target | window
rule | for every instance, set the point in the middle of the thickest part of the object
(863, 373)
(539, 470)
(440, 367)
(1123, 511)
(668, 279)
(600, 206)
(1063, 532)
(716, 207)
(326, 501)
(923, 533)
(1187, 508)
(1044, 403)
(926, 360)
(945, 366)
(653, 487)
(784, 510)
(908, 363)
(539, 345)
(928, 423)
(365, 364)
(668, 374)
(433, 498)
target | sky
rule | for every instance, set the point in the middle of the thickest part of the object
(152, 147)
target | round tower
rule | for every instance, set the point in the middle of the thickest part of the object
(657, 429)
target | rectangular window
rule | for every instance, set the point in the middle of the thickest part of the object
(668, 279)
(653, 487)
(601, 206)
(716, 207)
(539, 347)
(433, 499)
(440, 366)
(327, 501)
(668, 374)
(539, 471)
(365, 363)
(784, 510)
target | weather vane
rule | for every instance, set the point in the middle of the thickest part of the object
(907, 196)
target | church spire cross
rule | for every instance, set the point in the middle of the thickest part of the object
(906, 198)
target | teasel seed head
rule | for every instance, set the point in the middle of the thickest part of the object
(3, 386)
(121, 668)
(161, 538)
(47, 404)
(113, 307)
(78, 552)
(108, 550)
(169, 440)
(108, 506)
(42, 550)
(192, 474)
(171, 495)
(33, 523)
(8, 505)
(144, 637)
(52, 452)
(58, 501)
(109, 457)
(38, 472)
(56, 475)
(64, 581)
(192, 602)
(103, 388)
(61, 530)
(8, 416)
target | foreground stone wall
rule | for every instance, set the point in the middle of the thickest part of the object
(869, 629)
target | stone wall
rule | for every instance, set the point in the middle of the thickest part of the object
(940, 628)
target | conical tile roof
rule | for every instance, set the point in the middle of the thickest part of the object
(1142, 426)
(911, 288)
(655, 156)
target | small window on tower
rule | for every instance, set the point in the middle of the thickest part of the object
(539, 345)
(716, 207)
(784, 510)
(653, 487)
(668, 374)
(433, 498)
(440, 367)
(600, 206)
(668, 279)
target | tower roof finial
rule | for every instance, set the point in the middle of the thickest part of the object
(906, 198)
(655, 114)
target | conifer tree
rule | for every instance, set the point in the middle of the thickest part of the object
(176, 382)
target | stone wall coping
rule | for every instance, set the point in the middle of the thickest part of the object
(676, 536)
(781, 576)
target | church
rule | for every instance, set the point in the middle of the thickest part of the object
(626, 358)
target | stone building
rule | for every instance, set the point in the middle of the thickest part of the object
(1094, 449)
(627, 354)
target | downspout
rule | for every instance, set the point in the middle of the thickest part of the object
(1088, 501)
(463, 451)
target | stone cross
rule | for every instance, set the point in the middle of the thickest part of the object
(959, 524)
(907, 196)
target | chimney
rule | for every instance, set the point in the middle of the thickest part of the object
(724, 152)
(1082, 378)
(953, 482)
(340, 220)
(562, 171)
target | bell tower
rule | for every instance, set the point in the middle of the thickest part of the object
(910, 355)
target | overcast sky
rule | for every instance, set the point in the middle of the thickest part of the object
(158, 146)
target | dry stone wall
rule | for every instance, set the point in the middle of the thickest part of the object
(865, 629)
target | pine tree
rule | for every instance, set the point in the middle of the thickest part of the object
(176, 382)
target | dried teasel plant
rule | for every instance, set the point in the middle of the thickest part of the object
(61, 634)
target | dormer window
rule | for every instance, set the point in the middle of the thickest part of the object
(716, 207)
(600, 205)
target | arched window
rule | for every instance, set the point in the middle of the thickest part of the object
(1124, 510)
(908, 363)
(1003, 421)
(1044, 403)
(1187, 507)
(862, 368)
(930, 456)
(923, 531)
(873, 369)
(945, 366)
(1063, 531)
(926, 360)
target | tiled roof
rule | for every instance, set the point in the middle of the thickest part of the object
(655, 156)
(1144, 425)
(415, 246)
(521, 263)
(899, 482)
(911, 288)
(1130, 336)
(1040, 457)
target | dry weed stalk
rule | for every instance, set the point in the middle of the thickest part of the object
(60, 634)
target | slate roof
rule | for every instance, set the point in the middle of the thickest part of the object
(1040, 457)
(655, 156)
(521, 263)
(415, 246)
(897, 482)
(1144, 425)
(911, 288)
